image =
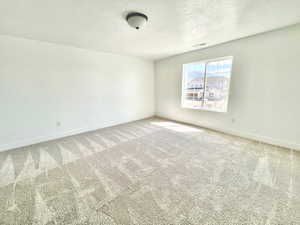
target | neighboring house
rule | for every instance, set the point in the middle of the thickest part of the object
(215, 87)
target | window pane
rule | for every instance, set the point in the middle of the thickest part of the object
(217, 85)
(193, 85)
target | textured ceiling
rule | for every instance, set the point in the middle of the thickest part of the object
(174, 25)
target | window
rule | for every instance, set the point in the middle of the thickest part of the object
(205, 84)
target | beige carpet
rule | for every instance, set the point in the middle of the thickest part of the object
(150, 172)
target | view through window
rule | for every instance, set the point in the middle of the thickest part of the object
(205, 84)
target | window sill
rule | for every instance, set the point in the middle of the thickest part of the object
(204, 109)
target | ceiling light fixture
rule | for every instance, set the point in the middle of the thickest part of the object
(136, 20)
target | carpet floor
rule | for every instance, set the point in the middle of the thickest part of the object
(150, 172)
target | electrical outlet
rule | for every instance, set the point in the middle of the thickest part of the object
(58, 124)
(233, 120)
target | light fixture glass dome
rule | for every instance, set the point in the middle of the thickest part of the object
(136, 20)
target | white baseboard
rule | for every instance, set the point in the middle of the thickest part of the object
(36, 140)
(264, 139)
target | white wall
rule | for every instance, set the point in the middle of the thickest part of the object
(264, 101)
(42, 84)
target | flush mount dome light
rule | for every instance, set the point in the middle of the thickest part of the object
(136, 20)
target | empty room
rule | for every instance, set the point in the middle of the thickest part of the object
(158, 112)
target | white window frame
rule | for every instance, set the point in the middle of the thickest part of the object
(183, 84)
